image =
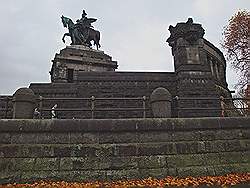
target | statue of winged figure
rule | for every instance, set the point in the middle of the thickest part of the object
(82, 33)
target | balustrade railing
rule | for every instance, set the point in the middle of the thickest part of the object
(224, 105)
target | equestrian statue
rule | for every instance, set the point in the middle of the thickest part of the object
(81, 32)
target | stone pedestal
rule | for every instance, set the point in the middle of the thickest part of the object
(160, 100)
(23, 104)
(76, 58)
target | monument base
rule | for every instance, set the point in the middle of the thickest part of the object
(76, 58)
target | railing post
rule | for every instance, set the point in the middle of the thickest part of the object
(92, 106)
(160, 101)
(24, 103)
(40, 106)
(6, 107)
(144, 106)
(176, 98)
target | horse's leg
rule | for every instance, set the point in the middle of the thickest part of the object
(97, 38)
(65, 34)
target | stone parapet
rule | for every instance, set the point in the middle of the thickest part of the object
(79, 150)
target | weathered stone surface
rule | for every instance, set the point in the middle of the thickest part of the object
(160, 100)
(44, 164)
(23, 104)
(78, 57)
(122, 137)
(119, 163)
(155, 136)
(123, 174)
(83, 138)
(76, 151)
(194, 170)
(147, 162)
(156, 149)
(5, 138)
(174, 161)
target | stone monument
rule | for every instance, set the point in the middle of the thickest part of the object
(79, 56)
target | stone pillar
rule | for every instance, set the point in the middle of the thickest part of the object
(160, 100)
(24, 101)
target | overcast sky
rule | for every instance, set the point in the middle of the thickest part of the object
(133, 32)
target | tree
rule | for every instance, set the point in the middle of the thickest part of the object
(236, 42)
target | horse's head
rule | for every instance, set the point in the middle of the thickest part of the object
(65, 21)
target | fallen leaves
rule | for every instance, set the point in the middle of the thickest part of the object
(169, 181)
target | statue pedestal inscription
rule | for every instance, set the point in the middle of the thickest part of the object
(76, 58)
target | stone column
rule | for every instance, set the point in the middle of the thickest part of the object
(160, 100)
(24, 101)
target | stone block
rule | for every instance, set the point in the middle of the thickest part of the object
(156, 149)
(241, 167)
(224, 169)
(147, 162)
(119, 163)
(154, 136)
(210, 170)
(9, 151)
(82, 163)
(245, 133)
(211, 159)
(187, 147)
(156, 172)
(185, 136)
(67, 125)
(215, 146)
(47, 164)
(23, 164)
(245, 157)
(187, 124)
(31, 151)
(63, 150)
(38, 151)
(24, 138)
(80, 150)
(125, 150)
(174, 161)
(5, 138)
(104, 151)
(230, 157)
(234, 122)
(83, 138)
(6, 165)
(123, 174)
(194, 171)
(244, 144)
(53, 138)
(89, 175)
(207, 135)
(66, 163)
(113, 137)
(12, 177)
(236, 145)
(155, 124)
(32, 176)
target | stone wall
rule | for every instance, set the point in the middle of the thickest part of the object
(6, 107)
(107, 85)
(76, 150)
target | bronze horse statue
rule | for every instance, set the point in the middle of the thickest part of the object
(78, 37)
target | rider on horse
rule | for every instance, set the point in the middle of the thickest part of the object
(81, 33)
(84, 25)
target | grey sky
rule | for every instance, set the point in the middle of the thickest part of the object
(133, 32)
